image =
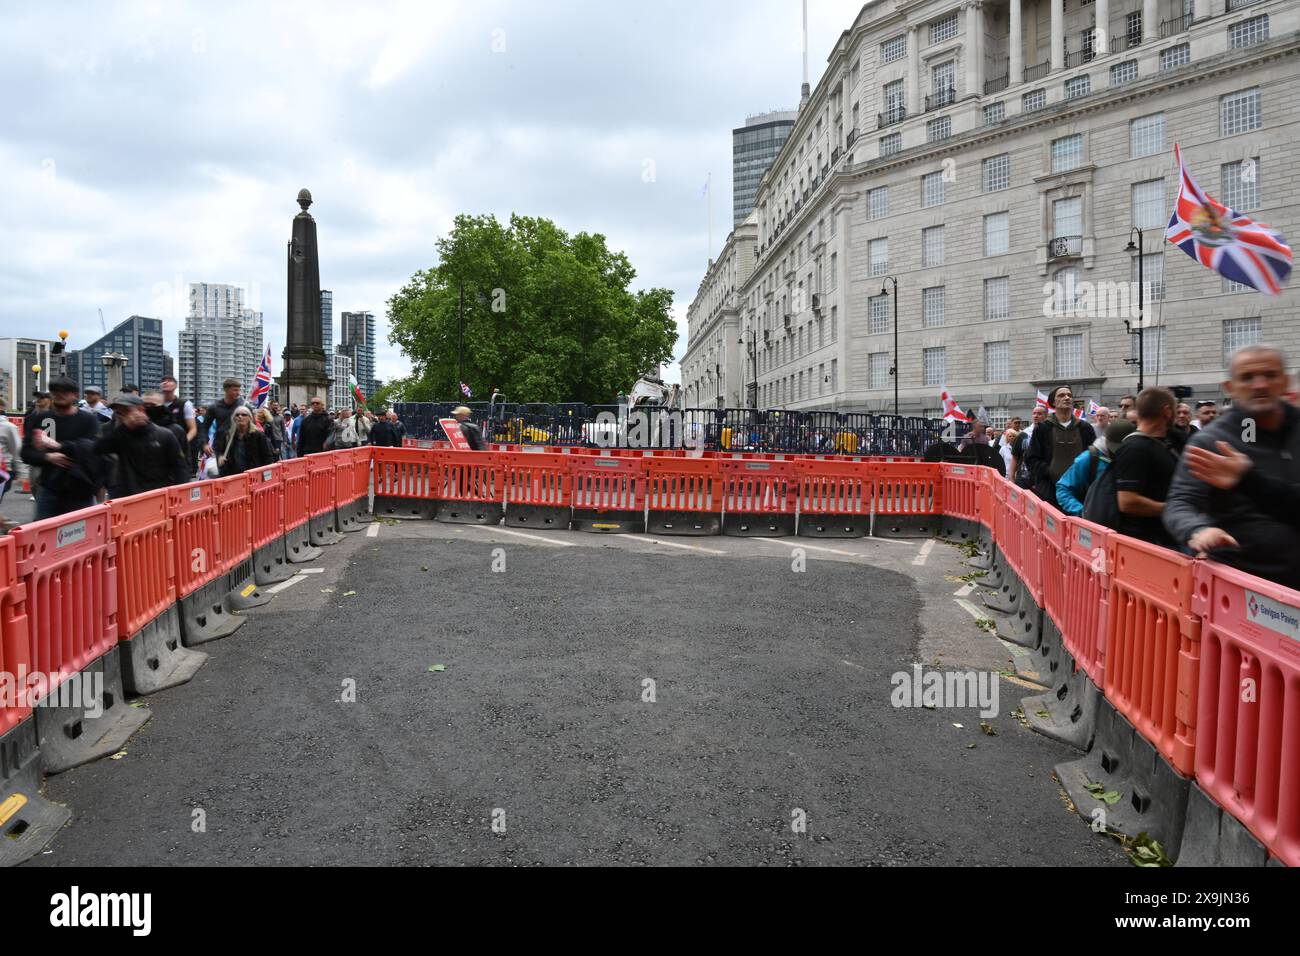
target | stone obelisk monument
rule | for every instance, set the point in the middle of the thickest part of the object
(304, 373)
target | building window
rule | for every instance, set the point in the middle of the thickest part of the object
(937, 129)
(893, 49)
(932, 246)
(1237, 334)
(1153, 350)
(1248, 32)
(934, 366)
(997, 172)
(1125, 72)
(944, 29)
(1133, 28)
(999, 415)
(878, 370)
(1067, 217)
(995, 113)
(1229, 286)
(835, 271)
(895, 102)
(997, 298)
(891, 144)
(835, 323)
(1067, 153)
(1175, 57)
(943, 89)
(1240, 112)
(997, 362)
(932, 307)
(1067, 292)
(878, 256)
(997, 233)
(1149, 204)
(1153, 276)
(1067, 354)
(931, 189)
(1033, 100)
(1241, 185)
(1146, 135)
(1078, 86)
(878, 202)
(878, 314)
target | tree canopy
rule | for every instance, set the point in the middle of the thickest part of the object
(549, 317)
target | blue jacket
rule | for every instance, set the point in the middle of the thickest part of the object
(1074, 484)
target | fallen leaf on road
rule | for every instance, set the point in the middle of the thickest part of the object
(326, 590)
(959, 726)
(118, 756)
(988, 728)
(349, 593)
(437, 668)
(1042, 713)
(970, 746)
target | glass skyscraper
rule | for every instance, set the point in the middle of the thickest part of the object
(754, 146)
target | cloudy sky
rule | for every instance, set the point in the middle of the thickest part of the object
(149, 145)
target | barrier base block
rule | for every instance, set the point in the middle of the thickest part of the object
(242, 592)
(271, 564)
(986, 559)
(469, 512)
(751, 525)
(1152, 795)
(537, 516)
(72, 732)
(905, 526)
(998, 569)
(1004, 596)
(608, 522)
(1068, 711)
(348, 517)
(155, 659)
(684, 523)
(1024, 627)
(204, 615)
(28, 822)
(834, 526)
(391, 507)
(298, 547)
(1214, 837)
(323, 531)
(960, 530)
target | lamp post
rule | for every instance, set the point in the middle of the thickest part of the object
(893, 370)
(460, 341)
(753, 364)
(1141, 359)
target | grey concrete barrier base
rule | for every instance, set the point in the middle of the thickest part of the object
(684, 523)
(204, 615)
(1070, 706)
(1049, 657)
(352, 517)
(323, 531)
(242, 592)
(69, 734)
(985, 560)
(1024, 626)
(155, 659)
(1006, 595)
(469, 512)
(905, 526)
(608, 522)
(551, 517)
(1214, 837)
(1152, 795)
(28, 821)
(960, 530)
(297, 545)
(271, 564)
(387, 506)
(834, 526)
(758, 525)
(998, 570)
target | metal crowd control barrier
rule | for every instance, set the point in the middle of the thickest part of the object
(538, 489)
(235, 537)
(1248, 712)
(320, 500)
(758, 497)
(200, 582)
(404, 482)
(298, 547)
(270, 562)
(468, 486)
(148, 619)
(683, 496)
(835, 498)
(608, 493)
(68, 570)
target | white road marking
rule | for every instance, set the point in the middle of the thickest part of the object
(671, 544)
(851, 664)
(925, 552)
(973, 611)
(285, 585)
(795, 543)
(373, 530)
(493, 529)
(903, 541)
(311, 571)
(964, 590)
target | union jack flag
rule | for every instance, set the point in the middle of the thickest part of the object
(1221, 239)
(465, 390)
(257, 395)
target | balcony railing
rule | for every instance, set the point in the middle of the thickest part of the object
(1170, 28)
(1036, 72)
(997, 84)
(1078, 58)
(1125, 41)
(1063, 247)
(895, 114)
(940, 98)
(853, 136)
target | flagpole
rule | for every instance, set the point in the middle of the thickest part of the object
(708, 200)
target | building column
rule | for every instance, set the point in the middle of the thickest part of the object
(974, 49)
(1101, 41)
(1056, 56)
(1016, 55)
(1150, 21)
(913, 72)
(1200, 9)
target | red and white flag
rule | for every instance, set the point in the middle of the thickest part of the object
(1040, 401)
(951, 410)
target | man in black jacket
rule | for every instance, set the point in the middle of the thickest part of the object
(1055, 444)
(469, 429)
(314, 429)
(1232, 524)
(148, 456)
(61, 443)
(388, 432)
(220, 413)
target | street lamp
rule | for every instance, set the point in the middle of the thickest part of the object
(1141, 363)
(753, 360)
(893, 370)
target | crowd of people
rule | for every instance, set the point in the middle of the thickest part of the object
(1214, 482)
(79, 449)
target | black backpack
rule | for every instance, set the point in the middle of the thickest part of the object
(1101, 506)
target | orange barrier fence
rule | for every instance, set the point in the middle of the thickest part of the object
(1087, 596)
(266, 488)
(608, 493)
(234, 522)
(197, 549)
(297, 492)
(15, 648)
(960, 493)
(1031, 571)
(1053, 538)
(537, 487)
(684, 495)
(141, 531)
(759, 496)
(834, 497)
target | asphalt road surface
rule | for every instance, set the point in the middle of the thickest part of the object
(542, 742)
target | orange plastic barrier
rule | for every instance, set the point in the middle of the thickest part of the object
(608, 493)
(960, 491)
(684, 495)
(986, 501)
(537, 486)
(1153, 648)
(1087, 596)
(834, 487)
(15, 646)
(66, 565)
(1248, 718)
(234, 521)
(1008, 506)
(468, 476)
(759, 486)
(320, 495)
(197, 548)
(1031, 571)
(146, 580)
(907, 489)
(297, 492)
(266, 489)
(1053, 541)
(405, 473)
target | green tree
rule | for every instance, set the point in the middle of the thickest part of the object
(549, 317)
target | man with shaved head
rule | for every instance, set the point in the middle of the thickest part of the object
(1224, 500)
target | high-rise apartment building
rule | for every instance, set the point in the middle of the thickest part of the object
(753, 147)
(21, 359)
(357, 342)
(340, 391)
(222, 339)
(327, 320)
(139, 338)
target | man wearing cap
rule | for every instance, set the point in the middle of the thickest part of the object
(314, 429)
(94, 402)
(467, 428)
(148, 457)
(61, 443)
